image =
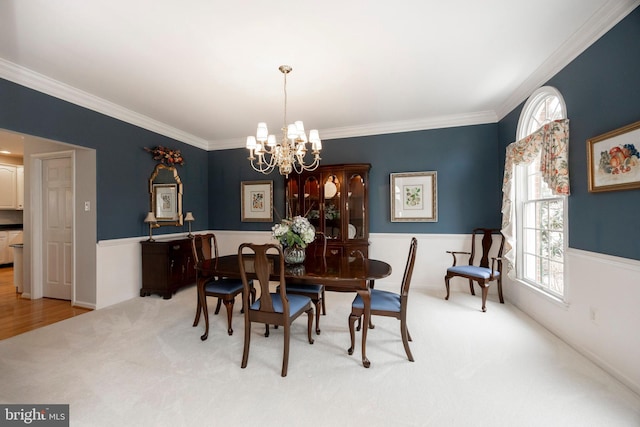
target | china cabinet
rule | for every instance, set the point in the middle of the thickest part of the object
(335, 200)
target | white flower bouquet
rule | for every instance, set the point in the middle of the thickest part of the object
(294, 232)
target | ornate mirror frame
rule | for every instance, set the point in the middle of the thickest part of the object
(165, 195)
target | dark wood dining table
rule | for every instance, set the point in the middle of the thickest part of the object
(339, 273)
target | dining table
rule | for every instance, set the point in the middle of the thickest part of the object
(354, 273)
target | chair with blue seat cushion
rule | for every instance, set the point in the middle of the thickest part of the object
(225, 289)
(276, 308)
(315, 291)
(482, 273)
(390, 304)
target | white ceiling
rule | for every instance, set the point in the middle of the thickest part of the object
(206, 71)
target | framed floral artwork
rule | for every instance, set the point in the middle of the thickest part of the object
(165, 202)
(613, 160)
(414, 197)
(257, 201)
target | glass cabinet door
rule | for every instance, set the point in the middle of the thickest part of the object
(292, 195)
(332, 206)
(356, 207)
(311, 201)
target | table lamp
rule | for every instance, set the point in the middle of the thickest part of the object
(151, 220)
(189, 218)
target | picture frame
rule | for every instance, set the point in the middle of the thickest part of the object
(414, 196)
(613, 159)
(165, 202)
(257, 201)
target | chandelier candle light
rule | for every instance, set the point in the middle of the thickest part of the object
(266, 154)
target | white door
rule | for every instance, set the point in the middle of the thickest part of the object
(57, 225)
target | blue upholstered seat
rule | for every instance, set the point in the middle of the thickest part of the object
(296, 303)
(380, 301)
(224, 286)
(471, 270)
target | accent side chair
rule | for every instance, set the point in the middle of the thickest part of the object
(271, 308)
(225, 289)
(481, 273)
(390, 304)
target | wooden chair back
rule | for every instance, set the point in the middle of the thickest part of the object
(264, 268)
(486, 244)
(204, 246)
(408, 270)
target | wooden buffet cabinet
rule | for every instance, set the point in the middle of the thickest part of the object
(335, 199)
(167, 265)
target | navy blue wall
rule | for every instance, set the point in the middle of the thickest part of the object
(466, 159)
(601, 89)
(123, 167)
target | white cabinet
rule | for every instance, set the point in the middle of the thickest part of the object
(20, 187)
(11, 187)
(6, 239)
(8, 186)
(6, 256)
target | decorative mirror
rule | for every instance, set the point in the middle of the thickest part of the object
(165, 189)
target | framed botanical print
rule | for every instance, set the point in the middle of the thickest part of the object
(414, 197)
(257, 201)
(165, 201)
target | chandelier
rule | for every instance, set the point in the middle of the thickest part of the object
(266, 154)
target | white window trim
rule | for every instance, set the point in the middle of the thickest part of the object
(523, 123)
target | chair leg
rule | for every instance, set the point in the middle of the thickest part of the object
(229, 306)
(198, 311)
(205, 310)
(485, 292)
(285, 357)
(473, 292)
(318, 303)
(310, 324)
(324, 308)
(446, 284)
(266, 329)
(247, 339)
(500, 290)
(352, 321)
(405, 339)
(218, 306)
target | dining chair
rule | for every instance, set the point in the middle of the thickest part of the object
(315, 291)
(481, 273)
(276, 308)
(225, 289)
(390, 304)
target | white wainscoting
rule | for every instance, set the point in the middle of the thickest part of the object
(600, 320)
(601, 317)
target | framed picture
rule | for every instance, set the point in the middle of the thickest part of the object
(165, 201)
(257, 201)
(613, 160)
(414, 197)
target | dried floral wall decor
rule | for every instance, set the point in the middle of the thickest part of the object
(166, 156)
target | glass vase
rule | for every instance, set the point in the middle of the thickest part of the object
(294, 255)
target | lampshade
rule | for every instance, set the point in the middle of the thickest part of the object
(189, 217)
(150, 218)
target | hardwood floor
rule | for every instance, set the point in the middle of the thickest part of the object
(19, 315)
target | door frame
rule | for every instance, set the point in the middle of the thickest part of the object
(37, 235)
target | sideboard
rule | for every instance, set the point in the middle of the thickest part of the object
(167, 265)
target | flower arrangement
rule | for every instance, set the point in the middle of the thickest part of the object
(166, 156)
(294, 232)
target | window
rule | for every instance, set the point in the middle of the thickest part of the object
(541, 222)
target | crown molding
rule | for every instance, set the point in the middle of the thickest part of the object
(600, 22)
(440, 122)
(36, 81)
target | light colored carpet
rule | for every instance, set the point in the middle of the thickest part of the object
(141, 363)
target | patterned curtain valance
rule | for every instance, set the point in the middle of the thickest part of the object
(552, 142)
